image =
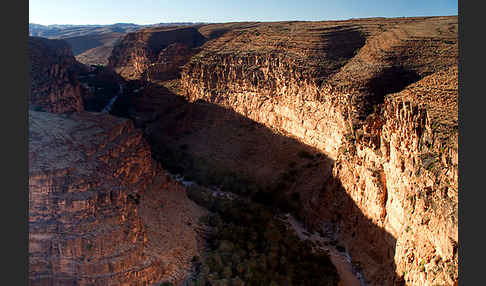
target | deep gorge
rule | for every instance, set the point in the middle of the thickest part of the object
(362, 141)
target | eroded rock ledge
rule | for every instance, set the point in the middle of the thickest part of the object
(397, 169)
(89, 220)
(157, 48)
(53, 75)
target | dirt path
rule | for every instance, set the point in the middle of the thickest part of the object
(341, 260)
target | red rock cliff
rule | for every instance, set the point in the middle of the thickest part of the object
(398, 178)
(95, 215)
(53, 73)
(162, 49)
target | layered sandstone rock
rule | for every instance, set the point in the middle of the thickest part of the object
(401, 172)
(404, 172)
(301, 79)
(158, 48)
(53, 74)
(90, 222)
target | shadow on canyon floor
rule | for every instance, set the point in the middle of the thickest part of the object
(342, 44)
(390, 80)
(216, 146)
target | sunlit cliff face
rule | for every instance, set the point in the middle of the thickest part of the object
(94, 205)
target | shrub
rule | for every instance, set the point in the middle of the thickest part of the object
(304, 154)
(295, 196)
(38, 108)
(135, 198)
(252, 247)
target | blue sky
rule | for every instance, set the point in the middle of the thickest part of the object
(155, 11)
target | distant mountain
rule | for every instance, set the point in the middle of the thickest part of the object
(65, 31)
(92, 44)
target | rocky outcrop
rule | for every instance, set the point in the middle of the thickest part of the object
(92, 216)
(280, 95)
(401, 172)
(162, 49)
(53, 76)
(404, 174)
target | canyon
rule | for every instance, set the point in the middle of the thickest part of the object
(350, 125)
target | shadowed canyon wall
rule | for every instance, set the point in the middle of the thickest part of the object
(53, 75)
(61, 84)
(378, 97)
(157, 48)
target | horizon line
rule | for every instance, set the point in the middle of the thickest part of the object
(258, 21)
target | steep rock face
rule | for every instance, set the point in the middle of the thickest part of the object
(147, 48)
(169, 62)
(280, 96)
(300, 79)
(402, 174)
(399, 179)
(53, 73)
(88, 174)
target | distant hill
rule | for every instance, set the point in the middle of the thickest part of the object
(92, 44)
(67, 31)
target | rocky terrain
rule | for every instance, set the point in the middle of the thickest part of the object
(375, 98)
(59, 83)
(402, 169)
(54, 77)
(163, 49)
(69, 31)
(100, 211)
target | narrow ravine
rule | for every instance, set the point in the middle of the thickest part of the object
(341, 260)
(108, 107)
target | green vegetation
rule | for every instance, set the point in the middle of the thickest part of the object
(305, 154)
(179, 161)
(135, 198)
(249, 246)
(38, 108)
(207, 174)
